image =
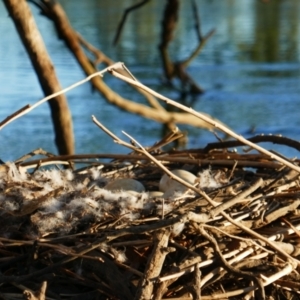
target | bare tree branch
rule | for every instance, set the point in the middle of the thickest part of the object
(156, 112)
(197, 20)
(178, 69)
(126, 13)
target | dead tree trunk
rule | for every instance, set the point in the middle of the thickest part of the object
(33, 42)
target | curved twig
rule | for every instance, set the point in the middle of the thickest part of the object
(231, 269)
(275, 139)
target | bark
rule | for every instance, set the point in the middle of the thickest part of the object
(33, 42)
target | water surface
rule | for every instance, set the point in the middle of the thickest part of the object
(250, 70)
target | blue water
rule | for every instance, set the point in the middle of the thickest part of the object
(250, 70)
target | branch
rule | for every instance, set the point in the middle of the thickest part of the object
(280, 140)
(27, 108)
(156, 112)
(207, 119)
(200, 46)
(42, 64)
(154, 264)
(229, 268)
(178, 69)
(123, 20)
(197, 20)
(168, 26)
(202, 40)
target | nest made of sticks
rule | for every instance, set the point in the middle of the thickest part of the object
(59, 230)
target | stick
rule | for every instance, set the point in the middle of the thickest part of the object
(113, 70)
(26, 109)
(154, 264)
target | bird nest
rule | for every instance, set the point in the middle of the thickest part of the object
(232, 233)
(210, 223)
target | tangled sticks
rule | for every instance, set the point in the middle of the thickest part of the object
(160, 254)
(64, 230)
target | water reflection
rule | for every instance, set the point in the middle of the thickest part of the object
(250, 70)
(276, 29)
